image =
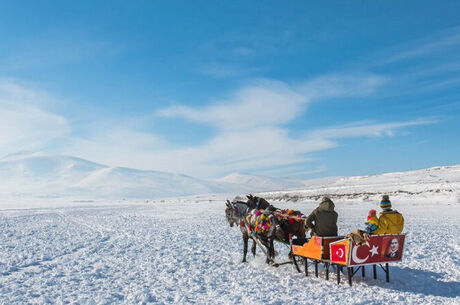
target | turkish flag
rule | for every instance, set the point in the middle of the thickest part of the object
(338, 253)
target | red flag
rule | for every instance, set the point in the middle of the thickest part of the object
(338, 253)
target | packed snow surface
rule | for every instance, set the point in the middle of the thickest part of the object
(71, 233)
(182, 251)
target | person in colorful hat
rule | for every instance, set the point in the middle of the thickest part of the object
(390, 221)
(372, 223)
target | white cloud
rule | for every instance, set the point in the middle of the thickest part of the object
(24, 124)
(336, 85)
(115, 143)
(251, 136)
(448, 40)
(262, 104)
(273, 103)
(250, 124)
(225, 70)
(62, 48)
(251, 150)
(365, 130)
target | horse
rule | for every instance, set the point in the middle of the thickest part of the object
(236, 212)
(259, 203)
(283, 226)
(292, 224)
(295, 227)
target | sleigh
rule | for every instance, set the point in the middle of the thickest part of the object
(344, 253)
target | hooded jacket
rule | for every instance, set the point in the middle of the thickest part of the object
(372, 224)
(390, 222)
(323, 219)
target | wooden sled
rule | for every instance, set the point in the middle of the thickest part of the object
(343, 253)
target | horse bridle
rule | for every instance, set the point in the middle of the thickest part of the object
(232, 213)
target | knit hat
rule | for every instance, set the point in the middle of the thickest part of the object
(385, 203)
(372, 213)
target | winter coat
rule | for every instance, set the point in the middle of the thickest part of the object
(372, 224)
(390, 222)
(323, 220)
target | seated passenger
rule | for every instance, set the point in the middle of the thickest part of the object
(372, 222)
(323, 220)
(390, 221)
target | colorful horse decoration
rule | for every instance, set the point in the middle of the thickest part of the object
(264, 223)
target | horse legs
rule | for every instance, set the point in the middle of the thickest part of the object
(267, 244)
(253, 249)
(245, 247)
(272, 249)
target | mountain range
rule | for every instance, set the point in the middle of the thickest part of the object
(36, 174)
(41, 175)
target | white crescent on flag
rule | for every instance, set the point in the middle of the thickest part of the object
(340, 253)
(356, 258)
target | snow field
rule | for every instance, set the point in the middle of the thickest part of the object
(184, 252)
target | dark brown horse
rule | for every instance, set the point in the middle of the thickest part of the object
(291, 224)
(259, 203)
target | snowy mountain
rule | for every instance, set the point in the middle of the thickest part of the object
(431, 185)
(39, 175)
(256, 183)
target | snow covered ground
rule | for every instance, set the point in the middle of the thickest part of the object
(182, 251)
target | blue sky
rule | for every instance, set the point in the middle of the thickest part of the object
(207, 88)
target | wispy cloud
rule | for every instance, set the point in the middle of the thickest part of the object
(251, 135)
(116, 145)
(24, 123)
(341, 85)
(263, 103)
(250, 129)
(273, 103)
(440, 42)
(366, 129)
(62, 48)
(225, 70)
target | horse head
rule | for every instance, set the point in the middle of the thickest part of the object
(235, 211)
(259, 203)
(253, 201)
(230, 213)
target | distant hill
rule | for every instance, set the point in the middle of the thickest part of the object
(256, 183)
(432, 185)
(40, 175)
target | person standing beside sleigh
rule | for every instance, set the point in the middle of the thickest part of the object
(390, 221)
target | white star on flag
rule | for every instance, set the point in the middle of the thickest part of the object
(374, 250)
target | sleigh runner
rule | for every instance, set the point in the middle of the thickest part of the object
(340, 252)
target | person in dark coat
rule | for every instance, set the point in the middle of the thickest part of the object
(323, 220)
